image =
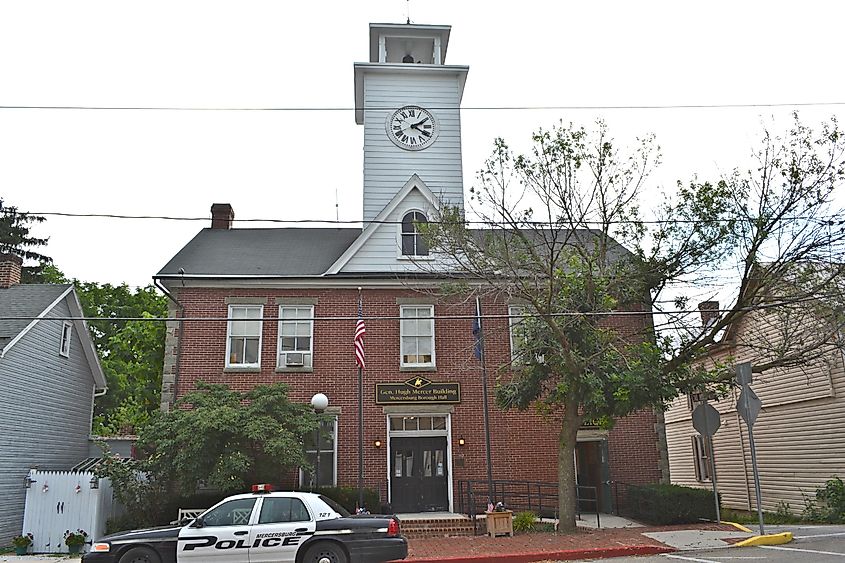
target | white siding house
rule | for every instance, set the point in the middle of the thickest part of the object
(49, 374)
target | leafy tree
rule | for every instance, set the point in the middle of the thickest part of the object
(227, 440)
(15, 238)
(565, 236)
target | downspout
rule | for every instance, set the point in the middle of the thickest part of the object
(180, 314)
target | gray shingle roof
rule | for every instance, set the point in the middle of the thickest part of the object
(26, 300)
(261, 252)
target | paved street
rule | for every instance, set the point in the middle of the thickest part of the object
(813, 544)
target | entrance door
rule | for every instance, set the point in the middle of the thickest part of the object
(593, 472)
(418, 478)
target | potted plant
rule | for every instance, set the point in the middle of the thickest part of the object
(22, 543)
(75, 540)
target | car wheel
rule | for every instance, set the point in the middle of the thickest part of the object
(140, 555)
(323, 552)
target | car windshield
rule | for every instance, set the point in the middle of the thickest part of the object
(335, 506)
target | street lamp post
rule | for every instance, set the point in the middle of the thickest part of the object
(319, 402)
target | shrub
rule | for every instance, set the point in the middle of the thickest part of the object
(75, 538)
(671, 504)
(524, 522)
(829, 504)
(22, 541)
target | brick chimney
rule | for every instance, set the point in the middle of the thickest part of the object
(709, 312)
(222, 216)
(10, 270)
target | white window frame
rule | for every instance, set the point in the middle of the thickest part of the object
(303, 482)
(281, 355)
(66, 337)
(260, 320)
(701, 452)
(433, 361)
(401, 233)
(515, 315)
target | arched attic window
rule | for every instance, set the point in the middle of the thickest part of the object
(412, 240)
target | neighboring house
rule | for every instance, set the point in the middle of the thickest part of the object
(49, 375)
(423, 429)
(798, 434)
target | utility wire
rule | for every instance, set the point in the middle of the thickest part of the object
(401, 318)
(451, 107)
(831, 220)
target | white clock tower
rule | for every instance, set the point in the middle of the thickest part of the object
(408, 100)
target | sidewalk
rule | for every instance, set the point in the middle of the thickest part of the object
(586, 543)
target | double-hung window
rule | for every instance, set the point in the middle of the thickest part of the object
(64, 344)
(417, 335)
(243, 346)
(296, 336)
(516, 320)
(328, 454)
(701, 455)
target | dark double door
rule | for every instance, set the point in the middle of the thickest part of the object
(419, 474)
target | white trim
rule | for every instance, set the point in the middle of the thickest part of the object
(88, 349)
(414, 182)
(433, 362)
(260, 321)
(334, 457)
(64, 351)
(400, 243)
(310, 321)
(421, 434)
(34, 322)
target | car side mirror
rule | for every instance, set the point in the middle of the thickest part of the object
(198, 522)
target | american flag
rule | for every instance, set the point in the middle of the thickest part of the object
(360, 331)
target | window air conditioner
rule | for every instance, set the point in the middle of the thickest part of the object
(294, 359)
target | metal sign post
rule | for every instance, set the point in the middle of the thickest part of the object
(748, 405)
(706, 420)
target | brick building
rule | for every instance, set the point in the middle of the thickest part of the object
(291, 299)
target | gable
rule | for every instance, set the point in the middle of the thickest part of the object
(378, 248)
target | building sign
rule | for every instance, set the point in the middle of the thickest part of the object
(417, 390)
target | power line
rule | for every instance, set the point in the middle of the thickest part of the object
(428, 317)
(452, 107)
(831, 220)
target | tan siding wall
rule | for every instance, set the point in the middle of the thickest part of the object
(799, 435)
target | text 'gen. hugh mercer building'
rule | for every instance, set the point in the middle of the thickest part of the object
(423, 421)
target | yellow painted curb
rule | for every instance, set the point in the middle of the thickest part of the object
(739, 527)
(768, 539)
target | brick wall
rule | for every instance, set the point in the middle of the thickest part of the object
(524, 444)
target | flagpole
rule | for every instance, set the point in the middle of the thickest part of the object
(360, 419)
(491, 491)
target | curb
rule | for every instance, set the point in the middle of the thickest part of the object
(565, 555)
(739, 527)
(768, 539)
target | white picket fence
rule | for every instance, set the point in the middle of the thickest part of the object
(57, 501)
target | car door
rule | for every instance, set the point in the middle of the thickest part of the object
(283, 524)
(220, 535)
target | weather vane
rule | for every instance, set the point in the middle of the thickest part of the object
(408, 11)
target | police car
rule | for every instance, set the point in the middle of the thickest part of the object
(261, 527)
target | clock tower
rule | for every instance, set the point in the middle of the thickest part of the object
(408, 100)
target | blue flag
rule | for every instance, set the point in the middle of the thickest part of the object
(476, 330)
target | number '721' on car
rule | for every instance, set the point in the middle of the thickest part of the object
(261, 527)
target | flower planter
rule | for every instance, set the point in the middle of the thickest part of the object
(500, 523)
(21, 550)
(74, 548)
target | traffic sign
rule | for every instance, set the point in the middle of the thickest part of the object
(706, 419)
(748, 405)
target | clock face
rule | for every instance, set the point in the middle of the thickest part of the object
(412, 128)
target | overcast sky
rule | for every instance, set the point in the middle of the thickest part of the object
(275, 54)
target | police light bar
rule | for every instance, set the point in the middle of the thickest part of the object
(262, 488)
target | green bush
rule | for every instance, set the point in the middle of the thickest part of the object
(524, 522)
(670, 504)
(829, 504)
